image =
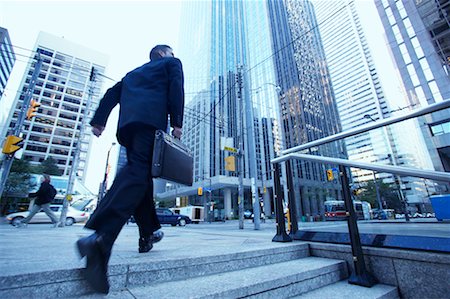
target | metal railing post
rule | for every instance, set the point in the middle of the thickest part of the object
(281, 235)
(360, 275)
(293, 230)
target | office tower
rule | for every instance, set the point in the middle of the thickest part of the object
(359, 94)
(308, 108)
(62, 89)
(7, 58)
(226, 39)
(418, 34)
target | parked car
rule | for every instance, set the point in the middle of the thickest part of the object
(73, 216)
(166, 216)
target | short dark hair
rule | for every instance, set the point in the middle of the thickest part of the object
(154, 52)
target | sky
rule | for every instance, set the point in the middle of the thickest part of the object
(126, 31)
(123, 30)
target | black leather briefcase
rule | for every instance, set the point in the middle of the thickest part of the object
(171, 159)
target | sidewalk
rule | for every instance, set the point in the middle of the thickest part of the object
(40, 247)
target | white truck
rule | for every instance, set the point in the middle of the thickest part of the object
(196, 213)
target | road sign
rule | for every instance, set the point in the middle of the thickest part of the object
(230, 163)
(230, 149)
(11, 144)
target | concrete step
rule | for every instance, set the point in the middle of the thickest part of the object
(281, 280)
(344, 290)
(144, 270)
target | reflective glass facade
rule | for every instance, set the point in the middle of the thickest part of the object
(228, 35)
(359, 95)
(308, 107)
(418, 34)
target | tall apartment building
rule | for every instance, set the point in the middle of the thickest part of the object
(418, 34)
(359, 94)
(63, 88)
(7, 58)
(308, 107)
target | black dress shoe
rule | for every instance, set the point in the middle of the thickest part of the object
(146, 243)
(97, 262)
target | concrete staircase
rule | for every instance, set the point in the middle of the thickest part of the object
(280, 272)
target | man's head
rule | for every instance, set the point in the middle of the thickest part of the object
(45, 178)
(161, 51)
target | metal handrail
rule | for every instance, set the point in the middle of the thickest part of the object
(360, 275)
(400, 170)
(419, 112)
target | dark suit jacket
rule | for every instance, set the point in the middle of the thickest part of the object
(147, 95)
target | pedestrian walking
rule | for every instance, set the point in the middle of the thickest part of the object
(147, 96)
(44, 196)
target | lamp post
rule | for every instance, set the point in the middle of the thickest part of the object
(105, 178)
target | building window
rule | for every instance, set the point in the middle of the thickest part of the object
(440, 129)
(397, 34)
(413, 74)
(417, 47)
(405, 53)
(390, 16)
(435, 91)
(401, 9)
(426, 69)
(409, 28)
(421, 96)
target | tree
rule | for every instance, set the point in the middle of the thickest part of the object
(50, 167)
(388, 194)
(18, 182)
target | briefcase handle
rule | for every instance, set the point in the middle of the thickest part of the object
(172, 141)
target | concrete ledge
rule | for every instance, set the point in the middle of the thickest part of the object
(344, 290)
(434, 244)
(192, 267)
(136, 272)
(269, 281)
(417, 274)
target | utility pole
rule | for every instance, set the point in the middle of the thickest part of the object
(251, 151)
(8, 160)
(76, 156)
(241, 148)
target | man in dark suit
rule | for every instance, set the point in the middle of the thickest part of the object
(147, 96)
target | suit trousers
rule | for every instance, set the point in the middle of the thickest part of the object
(131, 192)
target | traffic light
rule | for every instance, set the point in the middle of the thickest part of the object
(199, 191)
(92, 75)
(11, 144)
(34, 105)
(230, 163)
(330, 175)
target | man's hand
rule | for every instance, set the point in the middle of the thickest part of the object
(176, 132)
(97, 130)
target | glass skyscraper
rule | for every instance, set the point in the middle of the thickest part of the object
(227, 36)
(287, 98)
(62, 88)
(359, 94)
(308, 107)
(418, 33)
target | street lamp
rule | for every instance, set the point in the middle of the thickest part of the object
(105, 178)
